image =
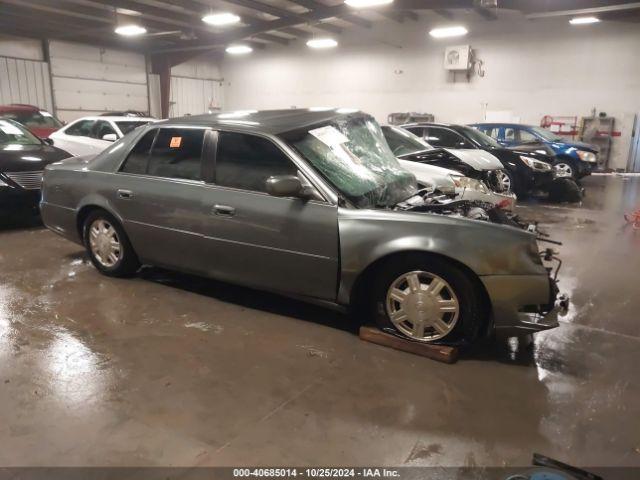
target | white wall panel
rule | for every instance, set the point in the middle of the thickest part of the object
(89, 80)
(16, 47)
(546, 67)
(193, 96)
(25, 81)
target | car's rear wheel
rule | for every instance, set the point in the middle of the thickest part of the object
(108, 245)
(427, 299)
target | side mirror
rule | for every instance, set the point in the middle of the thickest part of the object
(48, 141)
(288, 186)
(110, 137)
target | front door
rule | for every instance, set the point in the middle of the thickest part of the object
(288, 245)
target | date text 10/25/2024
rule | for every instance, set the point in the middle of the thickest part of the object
(316, 472)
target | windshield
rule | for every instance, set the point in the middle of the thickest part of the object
(476, 136)
(34, 118)
(352, 154)
(13, 133)
(403, 142)
(129, 125)
(547, 135)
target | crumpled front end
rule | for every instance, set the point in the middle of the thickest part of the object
(523, 304)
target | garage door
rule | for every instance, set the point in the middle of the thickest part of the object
(25, 81)
(90, 80)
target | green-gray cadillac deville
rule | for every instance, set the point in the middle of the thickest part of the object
(307, 203)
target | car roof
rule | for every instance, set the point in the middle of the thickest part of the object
(431, 124)
(267, 121)
(496, 124)
(118, 119)
(19, 107)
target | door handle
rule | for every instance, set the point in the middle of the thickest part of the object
(224, 210)
(125, 194)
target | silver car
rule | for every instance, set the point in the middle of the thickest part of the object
(309, 204)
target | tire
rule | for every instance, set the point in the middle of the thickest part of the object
(120, 261)
(420, 319)
(567, 166)
(504, 177)
(565, 190)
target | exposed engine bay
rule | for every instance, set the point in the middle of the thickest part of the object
(432, 201)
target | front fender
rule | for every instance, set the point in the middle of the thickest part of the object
(367, 236)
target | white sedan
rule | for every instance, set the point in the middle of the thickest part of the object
(91, 135)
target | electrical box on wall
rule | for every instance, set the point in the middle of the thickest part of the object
(457, 57)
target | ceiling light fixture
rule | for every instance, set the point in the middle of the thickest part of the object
(446, 32)
(130, 30)
(221, 19)
(239, 49)
(583, 20)
(367, 3)
(322, 43)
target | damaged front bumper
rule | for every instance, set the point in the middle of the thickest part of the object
(523, 304)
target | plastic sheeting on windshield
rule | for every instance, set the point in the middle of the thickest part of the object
(352, 154)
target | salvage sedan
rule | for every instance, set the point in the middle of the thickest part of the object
(309, 204)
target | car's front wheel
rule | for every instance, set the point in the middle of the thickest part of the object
(427, 299)
(108, 245)
(565, 168)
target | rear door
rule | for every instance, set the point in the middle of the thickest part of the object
(75, 138)
(283, 244)
(159, 196)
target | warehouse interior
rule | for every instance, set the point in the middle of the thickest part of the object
(175, 368)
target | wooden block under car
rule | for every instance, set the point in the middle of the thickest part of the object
(441, 353)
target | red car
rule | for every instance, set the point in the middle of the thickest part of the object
(40, 122)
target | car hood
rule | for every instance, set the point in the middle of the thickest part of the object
(478, 159)
(25, 158)
(578, 146)
(425, 173)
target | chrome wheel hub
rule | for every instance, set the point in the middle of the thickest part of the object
(104, 243)
(563, 170)
(422, 306)
(503, 181)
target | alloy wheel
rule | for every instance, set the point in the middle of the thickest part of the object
(422, 306)
(503, 181)
(564, 169)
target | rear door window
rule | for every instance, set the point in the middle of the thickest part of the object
(442, 137)
(137, 160)
(177, 153)
(246, 161)
(102, 128)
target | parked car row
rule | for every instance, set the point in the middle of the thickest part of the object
(314, 205)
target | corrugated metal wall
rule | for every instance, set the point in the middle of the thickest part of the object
(189, 96)
(25, 81)
(194, 96)
(89, 80)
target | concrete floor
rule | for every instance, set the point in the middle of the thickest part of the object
(167, 369)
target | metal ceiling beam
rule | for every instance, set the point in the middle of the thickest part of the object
(279, 12)
(272, 38)
(444, 13)
(586, 11)
(485, 13)
(347, 15)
